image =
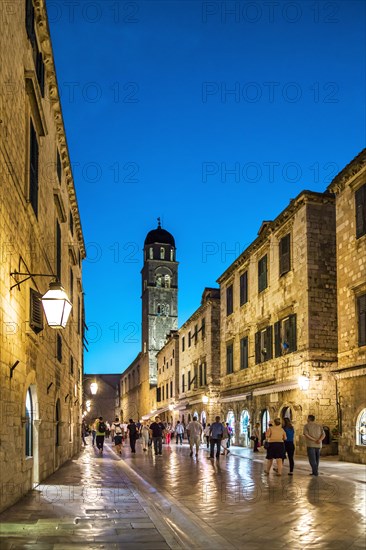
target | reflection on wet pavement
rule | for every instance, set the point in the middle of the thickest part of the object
(174, 501)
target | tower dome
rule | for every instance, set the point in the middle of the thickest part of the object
(159, 236)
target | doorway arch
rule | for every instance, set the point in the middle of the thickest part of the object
(32, 423)
(230, 419)
(245, 427)
(265, 419)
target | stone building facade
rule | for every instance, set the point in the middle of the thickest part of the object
(349, 187)
(167, 388)
(40, 233)
(159, 277)
(278, 319)
(199, 361)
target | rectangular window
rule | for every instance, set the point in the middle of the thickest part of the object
(39, 68)
(33, 169)
(360, 199)
(59, 348)
(262, 273)
(71, 223)
(71, 285)
(284, 255)
(285, 336)
(58, 166)
(162, 393)
(29, 21)
(204, 374)
(361, 314)
(229, 300)
(203, 328)
(229, 359)
(189, 339)
(183, 343)
(58, 251)
(201, 374)
(244, 353)
(263, 345)
(183, 383)
(171, 388)
(167, 390)
(189, 380)
(71, 364)
(243, 288)
(195, 334)
(158, 395)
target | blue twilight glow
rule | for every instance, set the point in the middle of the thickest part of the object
(212, 115)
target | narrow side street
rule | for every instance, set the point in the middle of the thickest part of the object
(174, 501)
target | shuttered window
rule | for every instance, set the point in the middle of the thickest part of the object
(285, 336)
(360, 198)
(262, 274)
(263, 345)
(171, 388)
(229, 359)
(284, 254)
(29, 21)
(59, 348)
(361, 313)
(36, 311)
(229, 300)
(243, 288)
(183, 383)
(203, 328)
(158, 395)
(244, 353)
(33, 169)
(58, 251)
(183, 343)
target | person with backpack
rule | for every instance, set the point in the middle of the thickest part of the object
(116, 430)
(133, 434)
(100, 428)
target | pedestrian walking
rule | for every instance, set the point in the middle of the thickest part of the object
(107, 429)
(145, 436)
(157, 429)
(230, 432)
(179, 431)
(314, 435)
(216, 432)
(84, 432)
(133, 434)
(94, 431)
(100, 428)
(255, 437)
(116, 431)
(168, 433)
(276, 437)
(206, 433)
(194, 430)
(225, 440)
(289, 443)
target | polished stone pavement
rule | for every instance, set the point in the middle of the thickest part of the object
(145, 502)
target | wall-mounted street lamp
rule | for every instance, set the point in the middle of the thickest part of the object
(56, 304)
(93, 388)
(304, 381)
(171, 406)
(205, 399)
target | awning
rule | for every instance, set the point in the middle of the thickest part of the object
(276, 388)
(239, 397)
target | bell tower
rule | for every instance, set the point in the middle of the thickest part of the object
(159, 294)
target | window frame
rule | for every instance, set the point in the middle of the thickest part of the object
(229, 299)
(263, 273)
(230, 358)
(284, 254)
(244, 357)
(243, 286)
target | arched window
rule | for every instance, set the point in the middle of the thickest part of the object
(162, 253)
(158, 280)
(286, 413)
(151, 253)
(158, 309)
(230, 419)
(167, 310)
(361, 428)
(28, 424)
(172, 254)
(58, 423)
(265, 421)
(167, 280)
(244, 422)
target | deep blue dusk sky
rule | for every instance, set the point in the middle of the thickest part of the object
(211, 120)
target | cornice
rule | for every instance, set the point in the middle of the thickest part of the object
(44, 37)
(352, 169)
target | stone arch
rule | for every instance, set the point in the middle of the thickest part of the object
(31, 385)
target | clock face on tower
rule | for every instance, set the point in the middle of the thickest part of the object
(159, 293)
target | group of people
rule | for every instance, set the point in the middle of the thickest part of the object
(278, 440)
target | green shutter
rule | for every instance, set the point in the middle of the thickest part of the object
(257, 348)
(292, 333)
(277, 336)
